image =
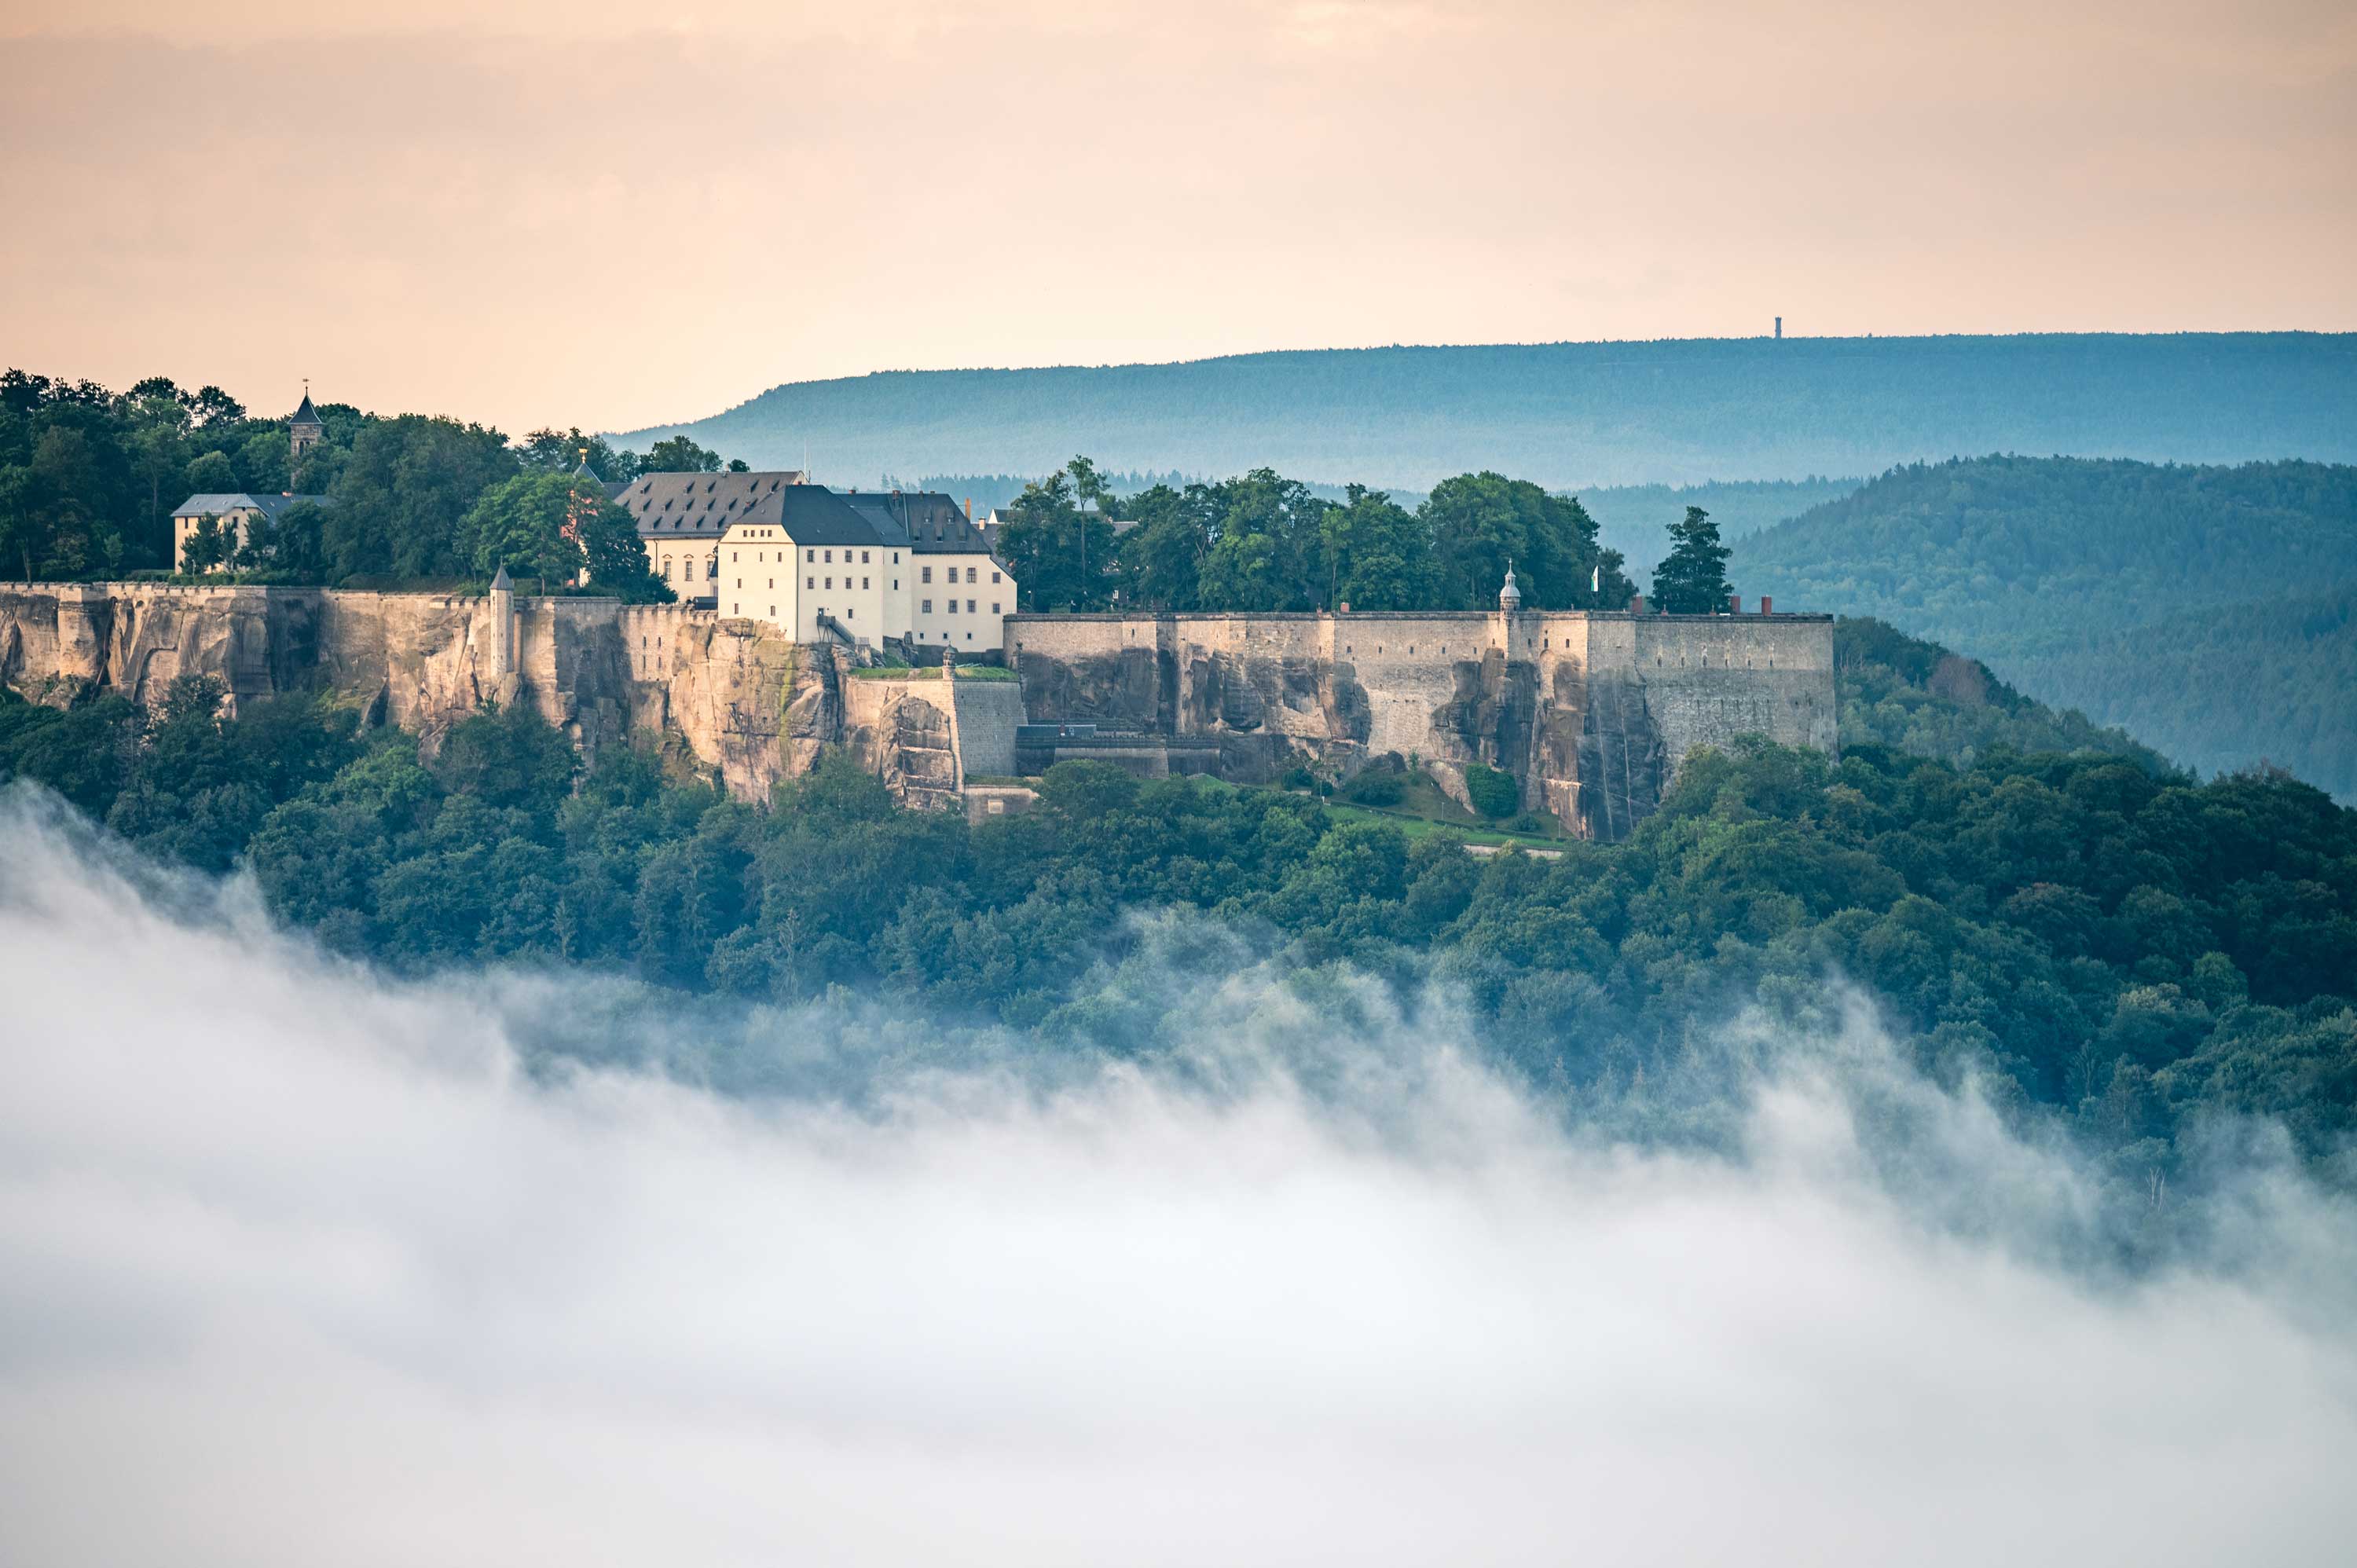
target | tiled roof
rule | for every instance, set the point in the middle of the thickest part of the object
(306, 415)
(935, 523)
(688, 505)
(221, 503)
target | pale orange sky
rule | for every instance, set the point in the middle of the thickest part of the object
(588, 213)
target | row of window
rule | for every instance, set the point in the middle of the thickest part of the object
(925, 575)
(948, 607)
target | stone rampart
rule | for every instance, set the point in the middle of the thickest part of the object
(1591, 712)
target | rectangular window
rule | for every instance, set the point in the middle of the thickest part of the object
(948, 607)
(969, 606)
(896, 558)
(994, 607)
(830, 582)
(830, 557)
(862, 582)
(994, 576)
(809, 554)
(969, 576)
(863, 558)
(810, 582)
(924, 574)
(929, 606)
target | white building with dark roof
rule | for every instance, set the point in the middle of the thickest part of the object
(681, 517)
(236, 512)
(858, 568)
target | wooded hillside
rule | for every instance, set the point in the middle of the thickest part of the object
(2206, 610)
(1577, 414)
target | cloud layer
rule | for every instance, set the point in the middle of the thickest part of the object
(298, 1265)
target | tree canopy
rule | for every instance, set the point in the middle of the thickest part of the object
(2098, 935)
(1691, 578)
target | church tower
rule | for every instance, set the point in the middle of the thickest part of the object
(303, 431)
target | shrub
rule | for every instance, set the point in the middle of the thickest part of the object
(1493, 791)
(1377, 789)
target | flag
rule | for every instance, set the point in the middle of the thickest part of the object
(1596, 579)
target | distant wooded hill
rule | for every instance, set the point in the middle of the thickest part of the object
(1577, 414)
(2211, 612)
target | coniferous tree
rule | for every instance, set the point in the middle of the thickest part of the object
(1692, 579)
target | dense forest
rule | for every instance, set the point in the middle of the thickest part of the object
(1573, 415)
(1629, 518)
(2273, 680)
(2117, 945)
(1261, 542)
(2207, 610)
(89, 477)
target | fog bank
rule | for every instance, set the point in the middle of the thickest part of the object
(298, 1264)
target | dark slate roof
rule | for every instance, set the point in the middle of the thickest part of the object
(881, 516)
(502, 584)
(218, 504)
(935, 523)
(692, 506)
(814, 514)
(306, 415)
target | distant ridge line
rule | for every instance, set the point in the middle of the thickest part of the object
(1573, 413)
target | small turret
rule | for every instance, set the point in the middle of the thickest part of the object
(1510, 597)
(501, 661)
(305, 429)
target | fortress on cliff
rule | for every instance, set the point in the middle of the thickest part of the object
(1591, 711)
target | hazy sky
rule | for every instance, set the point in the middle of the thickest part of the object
(298, 1267)
(614, 215)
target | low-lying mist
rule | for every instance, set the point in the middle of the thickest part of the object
(299, 1264)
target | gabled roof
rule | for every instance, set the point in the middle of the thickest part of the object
(690, 506)
(306, 415)
(935, 523)
(812, 514)
(220, 503)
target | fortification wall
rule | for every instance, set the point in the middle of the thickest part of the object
(986, 713)
(1591, 712)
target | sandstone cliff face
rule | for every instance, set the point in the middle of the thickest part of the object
(752, 707)
(1592, 712)
(53, 644)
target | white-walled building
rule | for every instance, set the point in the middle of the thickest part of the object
(959, 592)
(817, 564)
(681, 517)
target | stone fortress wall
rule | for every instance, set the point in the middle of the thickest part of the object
(1591, 711)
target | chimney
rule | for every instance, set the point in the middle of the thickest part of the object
(1766, 605)
(1636, 604)
(969, 509)
(1735, 603)
(1779, 329)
